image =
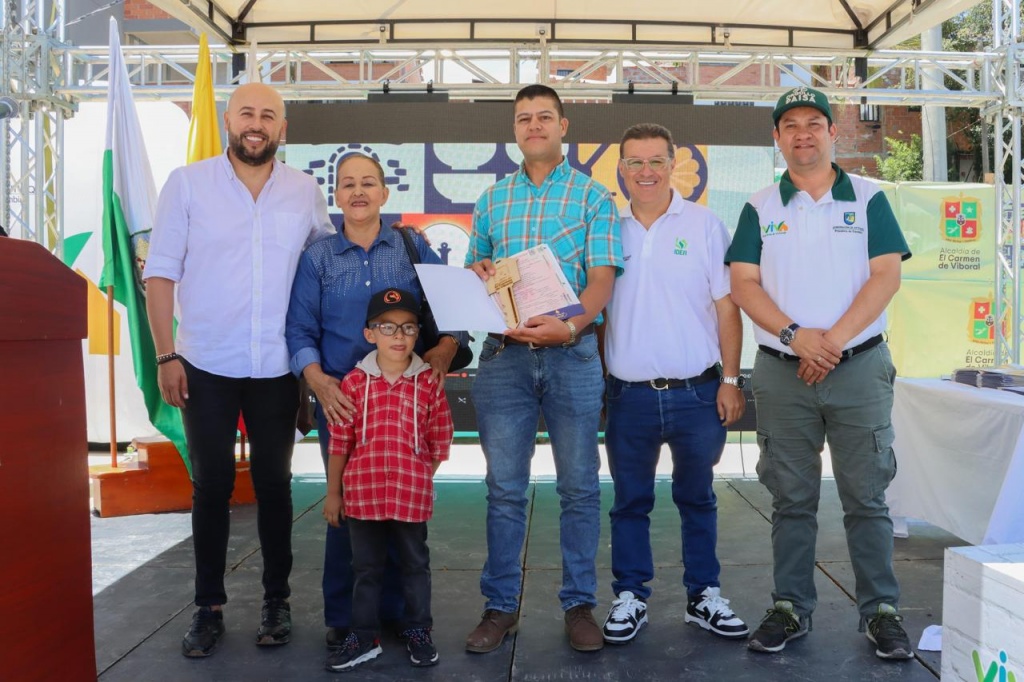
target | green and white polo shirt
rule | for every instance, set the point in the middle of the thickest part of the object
(814, 254)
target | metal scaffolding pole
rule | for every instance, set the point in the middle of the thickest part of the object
(1005, 114)
(31, 171)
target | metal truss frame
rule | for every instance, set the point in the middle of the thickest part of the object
(48, 78)
(1005, 113)
(31, 145)
(301, 73)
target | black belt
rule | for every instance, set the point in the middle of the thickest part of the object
(845, 355)
(509, 341)
(710, 374)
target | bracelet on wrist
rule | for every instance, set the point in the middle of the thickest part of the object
(166, 357)
(572, 334)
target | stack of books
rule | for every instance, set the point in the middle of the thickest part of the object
(967, 375)
(1010, 377)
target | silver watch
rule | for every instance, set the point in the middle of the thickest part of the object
(737, 381)
(787, 334)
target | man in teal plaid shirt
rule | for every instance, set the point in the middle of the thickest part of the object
(548, 366)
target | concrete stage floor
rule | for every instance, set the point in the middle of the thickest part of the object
(143, 589)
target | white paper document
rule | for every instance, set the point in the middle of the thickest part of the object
(460, 300)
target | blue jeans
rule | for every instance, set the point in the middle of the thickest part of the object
(513, 386)
(640, 420)
(338, 579)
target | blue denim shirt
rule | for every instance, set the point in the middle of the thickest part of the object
(332, 289)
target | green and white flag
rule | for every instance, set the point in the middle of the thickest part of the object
(129, 204)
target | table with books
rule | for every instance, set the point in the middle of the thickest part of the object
(960, 457)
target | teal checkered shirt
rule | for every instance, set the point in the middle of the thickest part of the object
(574, 215)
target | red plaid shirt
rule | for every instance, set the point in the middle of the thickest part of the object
(387, 477)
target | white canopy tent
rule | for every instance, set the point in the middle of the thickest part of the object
(835, 24)
(840, 46)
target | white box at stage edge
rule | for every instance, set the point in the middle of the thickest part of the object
(983, 614)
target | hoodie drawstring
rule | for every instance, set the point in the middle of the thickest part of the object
(366, 407)
(415, 421)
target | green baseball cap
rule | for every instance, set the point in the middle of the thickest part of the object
(802, 96)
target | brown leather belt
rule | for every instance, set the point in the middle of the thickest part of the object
(509, 341)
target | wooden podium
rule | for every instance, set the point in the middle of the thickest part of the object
(45, 564)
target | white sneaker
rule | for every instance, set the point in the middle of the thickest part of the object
(712, 612)
(625, 618)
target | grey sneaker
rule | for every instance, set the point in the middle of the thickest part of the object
(887, 634)
(779, 626)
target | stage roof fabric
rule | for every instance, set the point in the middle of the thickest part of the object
(814, 24)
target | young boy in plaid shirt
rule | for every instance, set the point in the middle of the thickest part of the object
(384, 460)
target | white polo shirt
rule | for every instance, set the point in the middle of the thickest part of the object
(814, 255)
(234, 259)
(662, 321)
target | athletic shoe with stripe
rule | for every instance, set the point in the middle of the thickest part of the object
(625, 618)
(712, 612)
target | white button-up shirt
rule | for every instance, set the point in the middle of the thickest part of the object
(234, 259)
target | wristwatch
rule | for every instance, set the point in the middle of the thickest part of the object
(787, 335)
(572, 334)
(737, 381)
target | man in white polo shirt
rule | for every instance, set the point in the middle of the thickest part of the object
(814, 262)
(672, 350)
(227, 236)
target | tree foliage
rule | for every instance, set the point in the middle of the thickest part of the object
(903, 161)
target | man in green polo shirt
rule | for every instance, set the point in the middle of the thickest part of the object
(814, 262)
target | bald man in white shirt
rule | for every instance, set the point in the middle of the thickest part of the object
(227, 239)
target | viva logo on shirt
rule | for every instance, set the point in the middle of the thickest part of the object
(680, 249)
(772, 229)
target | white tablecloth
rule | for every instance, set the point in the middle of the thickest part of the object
(960, 457)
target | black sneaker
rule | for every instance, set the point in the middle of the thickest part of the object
(206, 630)
(888, 636)
(336, 637)
(778, 627)
(625, 618)
(422, 652)
(275, 623)
(711, 611)
(352, 654)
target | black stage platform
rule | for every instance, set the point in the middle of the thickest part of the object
(141, 616)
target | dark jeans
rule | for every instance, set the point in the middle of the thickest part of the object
(370, 542)
(338, 579)
(640, 420)
(210, 416)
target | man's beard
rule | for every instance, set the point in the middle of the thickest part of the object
(239, 151)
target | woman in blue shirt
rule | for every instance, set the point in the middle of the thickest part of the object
(333, 285)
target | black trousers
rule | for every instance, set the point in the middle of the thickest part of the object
(370, 542)
(210, 416)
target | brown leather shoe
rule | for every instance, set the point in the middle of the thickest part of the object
(584, 634)
(491, 631)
